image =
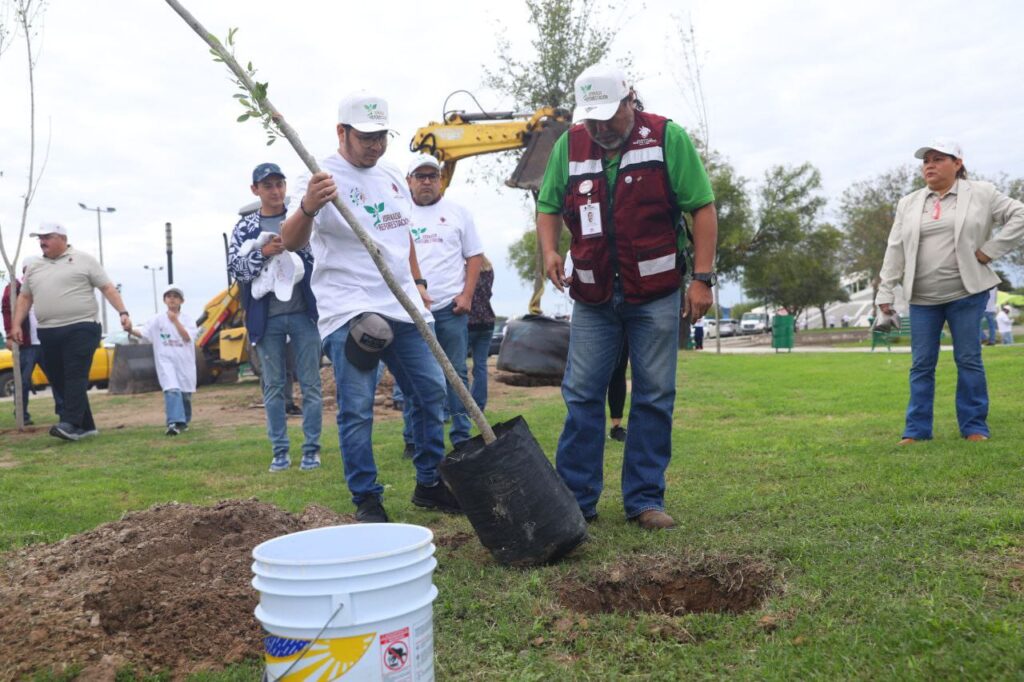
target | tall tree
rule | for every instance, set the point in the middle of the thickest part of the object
(793, 258)
(26, 14)
(867, 210)
(569, 36)
(1013, 187)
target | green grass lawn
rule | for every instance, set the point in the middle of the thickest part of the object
(890, 563)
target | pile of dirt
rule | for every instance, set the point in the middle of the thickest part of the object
(163, 589)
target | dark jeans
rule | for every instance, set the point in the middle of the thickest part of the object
(28, 356)
(617, 385)
(67, 357)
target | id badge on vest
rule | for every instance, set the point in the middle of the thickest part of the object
(590, 220)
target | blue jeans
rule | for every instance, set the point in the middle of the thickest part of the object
(595, 341)
(480, 347)
(178, 407)
(399, 397)
(926, 321)
(305, 341)
(422, 382)
(453, 334)
(990, 321)
(28, 356)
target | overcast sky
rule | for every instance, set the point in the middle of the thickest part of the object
(139, 118)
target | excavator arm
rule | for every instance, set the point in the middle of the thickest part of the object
(464, 135)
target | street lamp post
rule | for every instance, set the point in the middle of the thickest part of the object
(99, 229)
(153, 271)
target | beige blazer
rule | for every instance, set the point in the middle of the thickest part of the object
(980, 208)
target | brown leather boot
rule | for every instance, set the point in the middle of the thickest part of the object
(654, 519)
(976, 437)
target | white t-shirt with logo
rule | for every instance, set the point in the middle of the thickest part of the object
(175, 357)
(345, 281)
(444, 236)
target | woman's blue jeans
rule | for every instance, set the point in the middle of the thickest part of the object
(926, 322)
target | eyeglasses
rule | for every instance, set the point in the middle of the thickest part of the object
(371, 139)
(430, 177)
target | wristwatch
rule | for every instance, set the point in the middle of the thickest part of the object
(421, 282)
(709, 278)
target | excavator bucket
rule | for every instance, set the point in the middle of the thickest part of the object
(529, 172)
(133, 370)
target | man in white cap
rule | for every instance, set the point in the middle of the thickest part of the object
(621, 180)
(60, 286)
(355, 302)
(449, 253)
(280, 311)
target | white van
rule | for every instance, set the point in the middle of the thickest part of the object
(755, 323)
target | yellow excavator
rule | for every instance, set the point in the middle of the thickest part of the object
(462, 135)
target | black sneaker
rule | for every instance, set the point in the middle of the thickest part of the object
(66, 431)
(410, 451)
(293, 410)
(371, 510)
(436, 497)
(172, 430)
(618, 433)
(182, 426)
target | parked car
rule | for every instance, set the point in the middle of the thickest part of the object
(755, 323)
(496, 339)
(711, 327)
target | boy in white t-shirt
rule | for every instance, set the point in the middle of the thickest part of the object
(173, 335)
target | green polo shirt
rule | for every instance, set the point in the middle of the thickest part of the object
(686, 174)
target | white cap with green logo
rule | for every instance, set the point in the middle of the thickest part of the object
(599, 89)
(363, 111)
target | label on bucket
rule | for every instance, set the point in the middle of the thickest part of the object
(403, 655)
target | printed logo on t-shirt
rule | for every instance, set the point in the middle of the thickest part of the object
(420, 236)
(381, 220)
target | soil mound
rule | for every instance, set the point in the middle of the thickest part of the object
(163, 589)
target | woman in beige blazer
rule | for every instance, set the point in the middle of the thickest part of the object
(940, 249)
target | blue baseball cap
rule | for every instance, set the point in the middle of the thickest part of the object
(264, 171)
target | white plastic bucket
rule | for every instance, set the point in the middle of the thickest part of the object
(348, 602)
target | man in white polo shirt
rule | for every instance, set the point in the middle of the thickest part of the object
(60, 285)
(449, 253)
(361, 322)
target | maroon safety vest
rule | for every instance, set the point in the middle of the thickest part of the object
(638, 217)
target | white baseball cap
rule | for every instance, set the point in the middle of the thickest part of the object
(363, 111)
(421, 160)
(49, 228)
(174, 289)
(599, 89)
(944, 145)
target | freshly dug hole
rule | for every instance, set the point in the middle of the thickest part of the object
(671, 585)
